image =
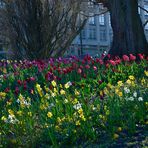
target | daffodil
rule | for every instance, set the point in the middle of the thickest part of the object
(39, 89)
(49, 115)
(2, 95)
(78, 123)
(67, 85)
(115, 136)
(62, 92)
(131, 77)
(80, 111)
(120, 83)
(54, 84)
(119, 129)
(75, 101)
(3, 118)
(146, 73)
(76, 92)
(128, 82)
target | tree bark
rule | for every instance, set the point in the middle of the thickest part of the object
(128, 32)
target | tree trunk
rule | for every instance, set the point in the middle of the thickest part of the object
(128, 32)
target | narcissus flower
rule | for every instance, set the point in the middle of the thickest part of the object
(131, 77)
(120, 83)
(115, 136)
(49, 114)
(54, 84)
(146, 73)
(62, 92)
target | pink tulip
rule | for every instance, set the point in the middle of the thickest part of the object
(132, 57)
(95, 68)
(79, 71)
(125, 58)
(141, 56)
(113, 63)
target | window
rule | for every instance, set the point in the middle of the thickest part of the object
(102, 19)
(109, 21)
(103, 35)
(146, 26)
(139, 10)
(92, 33)
(91, 20)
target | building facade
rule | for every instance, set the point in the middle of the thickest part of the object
(96, 37)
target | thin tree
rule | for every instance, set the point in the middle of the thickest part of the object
(39, 29)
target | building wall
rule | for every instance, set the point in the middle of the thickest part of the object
(96, 37)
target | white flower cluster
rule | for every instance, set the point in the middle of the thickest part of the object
(77, 106)
(132, 98)
(11, 119)
(23, 102)
(126, 90)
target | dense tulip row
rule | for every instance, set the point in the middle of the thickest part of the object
(71, 101)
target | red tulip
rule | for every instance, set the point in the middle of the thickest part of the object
(19, 82)
(16, 90)
(132, 57)
(141, 56)
(87, 66)
(79, 70)
(95, 68)
(125, 58)
(113, 63)
(7, 90)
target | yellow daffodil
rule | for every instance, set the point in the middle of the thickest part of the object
(76, 92)
(75, 101)
(143, 81)
(120, 83)
(116, 90)
(78, 123)
(67, 85)
(62, 92)
(119, 129)
(107, 112)
(54, 84)
(39, 89)
(101, 93)
(11, 112)
(80, 111)
(46, 89)
(3, 118)
(110, 86)
(19, 113)
(49, 114)
(146, 73)
(2, 95)
(30, 114)
(115, 136)
(128, 82)
(131, 77)
(120, 94)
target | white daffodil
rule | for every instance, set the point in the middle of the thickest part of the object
(77, 106)
(140, 99)
(135, 94)
(126, 90)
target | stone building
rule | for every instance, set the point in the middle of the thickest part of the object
(96, 37)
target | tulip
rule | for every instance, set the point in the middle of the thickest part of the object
(79, 71)
(113, 63)
(95, 68)
(125, 58)
(132, 57)
(141, 56)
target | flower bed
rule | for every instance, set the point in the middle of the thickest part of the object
(71, 101)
